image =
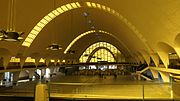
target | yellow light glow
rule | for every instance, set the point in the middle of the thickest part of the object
(104, 54)
(113, 11)
(74, 5)
(51, 15)
(93, 5)
(42, 60)
(38, 28)
(60, 10)
(88, 4)
(48, 18)
(52, 60)
(13, 59)
(44, 21)
(116, 13)
(77, 3)
(64, 61)
(29, 39)
(103, 7)
(31, 36)
(27, 44)
(77, 38)
(55, 12)
(29, 59)
(69, 6)
(64, 8)
(99, 6)
(40, 24)
(108, 9)
(35, 32)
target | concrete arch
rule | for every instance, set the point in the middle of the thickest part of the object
(74, 5)
(162, 46)
(95, 50)
(104, 38)
(177, 40)
(163, 50)
(92, 32)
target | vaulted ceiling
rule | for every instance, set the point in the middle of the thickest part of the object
(135, 26)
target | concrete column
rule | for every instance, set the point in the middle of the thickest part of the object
(47, 62)
(155, 58)
(141, 58)
(165, 76)
(6, 60)
(177, 51)
(22, 61)
(146, 57)
(164, 57)
(31, 74)
(37, 59)
(154, 73)
(55, 62)
(15, 77)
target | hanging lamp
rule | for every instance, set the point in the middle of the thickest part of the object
(11, 34)
(54, 46)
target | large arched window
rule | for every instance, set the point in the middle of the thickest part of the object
(100, 51)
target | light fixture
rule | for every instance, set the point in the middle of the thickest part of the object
(54, 46)
(10, 35)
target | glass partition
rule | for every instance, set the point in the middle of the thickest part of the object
(140, 92)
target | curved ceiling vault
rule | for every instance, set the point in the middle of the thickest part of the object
(137, 25)
(70, 6)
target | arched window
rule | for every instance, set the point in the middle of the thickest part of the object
(100, 51)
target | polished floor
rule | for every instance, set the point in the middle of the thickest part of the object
(95, 87)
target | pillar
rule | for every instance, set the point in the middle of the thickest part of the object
(146, 57)
(154, 73)
(6, 60)
(22, 61)
(164, 57)
(155, 58)
(15, 77)
(165, 76)
(31, 74)
(37, 59)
